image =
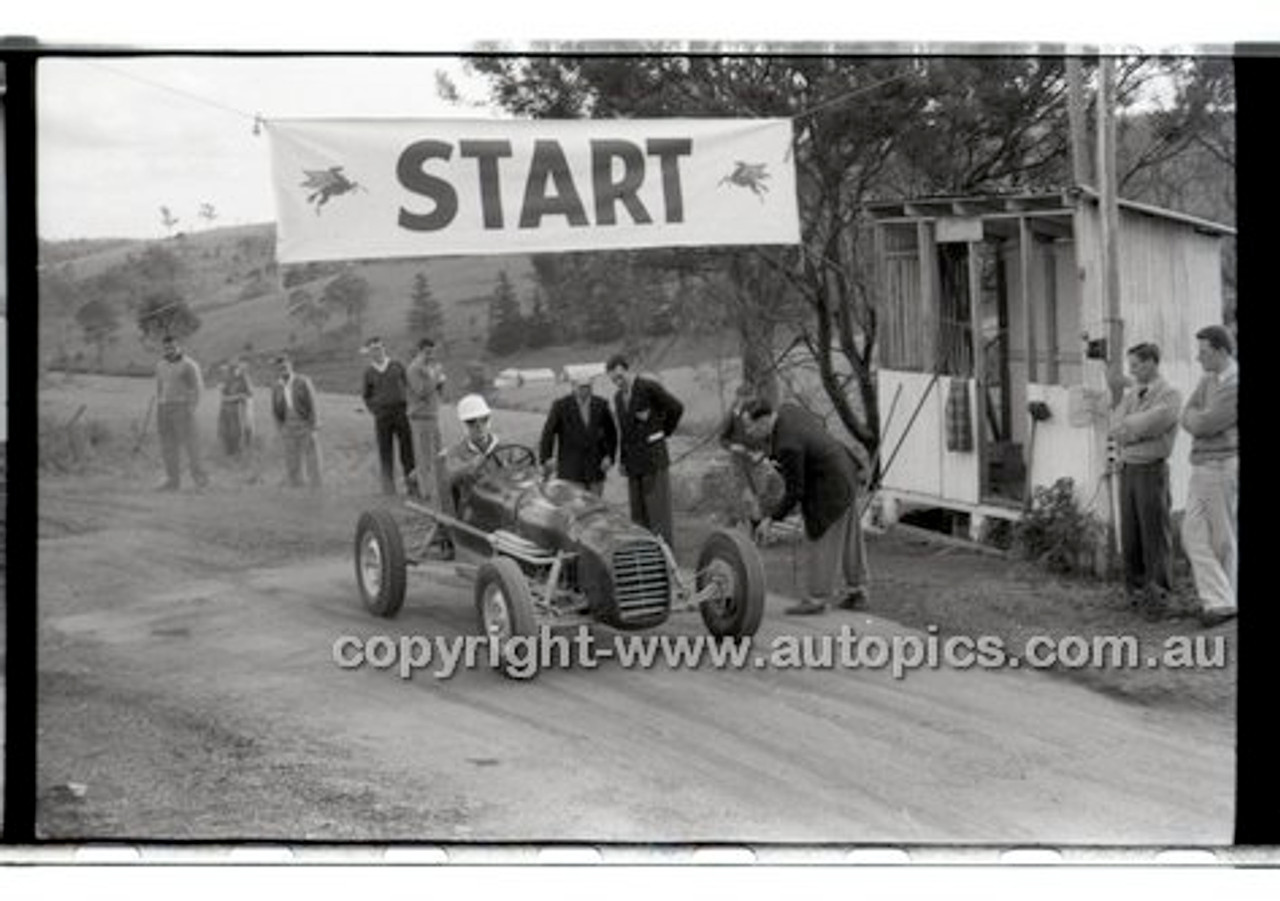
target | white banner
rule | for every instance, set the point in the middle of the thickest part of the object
(359, 189)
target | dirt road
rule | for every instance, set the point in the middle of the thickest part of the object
(188, 691)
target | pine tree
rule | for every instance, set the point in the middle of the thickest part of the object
(506, 325)
(426, 318)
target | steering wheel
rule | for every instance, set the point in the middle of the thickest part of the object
(510, 456)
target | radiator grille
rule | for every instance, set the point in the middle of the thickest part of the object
(641, 580)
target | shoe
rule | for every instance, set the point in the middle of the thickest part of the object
(1211, 618)
(854, 599)
(806, 608)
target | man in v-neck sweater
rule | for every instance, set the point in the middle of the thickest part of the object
(385, 396)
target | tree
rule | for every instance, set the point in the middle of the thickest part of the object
(839, 155)
(426, 318)
(61, 296)
(506, 325)
(539, 331)
(208, 213)
(168, 219)
(348, 294)
(864, 128)
(165, 313)
(99, 322)
(304, 307)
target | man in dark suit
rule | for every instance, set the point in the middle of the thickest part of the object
(580, 435)
(293, 406)
(647, 415)
(821, 475)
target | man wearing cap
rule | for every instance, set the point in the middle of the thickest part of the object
(178, 389)
(385, 396)
(463, 463)
(426, 380)
(1144, 425)
(1209, 521)
(647, 415)
(580, 436)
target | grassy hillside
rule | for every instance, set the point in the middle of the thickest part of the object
(230, 279)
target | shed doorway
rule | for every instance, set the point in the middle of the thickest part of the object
(976, 343)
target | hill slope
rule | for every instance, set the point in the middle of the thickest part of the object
(230, 279)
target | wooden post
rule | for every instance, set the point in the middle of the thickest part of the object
(1109, 208)
(1029, 331)
(927, 255)
(1076, 122)
(1052, 372)
(979, 365)
(1025, 239)
(1110, 220)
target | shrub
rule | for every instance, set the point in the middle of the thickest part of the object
(1056, 533)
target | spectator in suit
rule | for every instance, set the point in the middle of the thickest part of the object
(647, 415)
(385, 394)
(580, 436)
(820, 475)
(293, 406)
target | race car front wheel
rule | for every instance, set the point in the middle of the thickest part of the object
(380, 563)
(731, 563)
(505, 608)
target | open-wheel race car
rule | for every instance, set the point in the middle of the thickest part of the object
(546, 552)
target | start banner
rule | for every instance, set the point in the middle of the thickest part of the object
(365, 188)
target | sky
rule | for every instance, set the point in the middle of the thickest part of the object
(121, 137)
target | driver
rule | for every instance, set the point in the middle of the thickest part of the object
(465, 459)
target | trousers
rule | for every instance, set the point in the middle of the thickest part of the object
(1146, 530)
(392, 428)
(1209, 531)
(301, 450)
(176, 424)
(650, 497)
(839, 553)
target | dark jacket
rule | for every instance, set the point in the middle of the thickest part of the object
(579, 447)
(644, 426)
(303, 397)
(819, 472)
(385, 392)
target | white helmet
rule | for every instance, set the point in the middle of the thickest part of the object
(471, 407)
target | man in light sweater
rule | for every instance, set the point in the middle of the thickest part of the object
(178, 389)
(1144, 426)
(425, 386)
(1209, 523)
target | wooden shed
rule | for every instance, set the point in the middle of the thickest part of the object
(989, 304)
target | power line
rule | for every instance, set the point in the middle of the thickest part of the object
(254, 117)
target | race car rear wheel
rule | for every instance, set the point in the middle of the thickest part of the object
(504, 605)
(380, 563)
(732, 564)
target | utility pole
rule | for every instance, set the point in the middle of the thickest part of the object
(1075, 119)
(1110, 210)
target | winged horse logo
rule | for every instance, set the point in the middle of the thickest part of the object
(750, 176)
(325, 184)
